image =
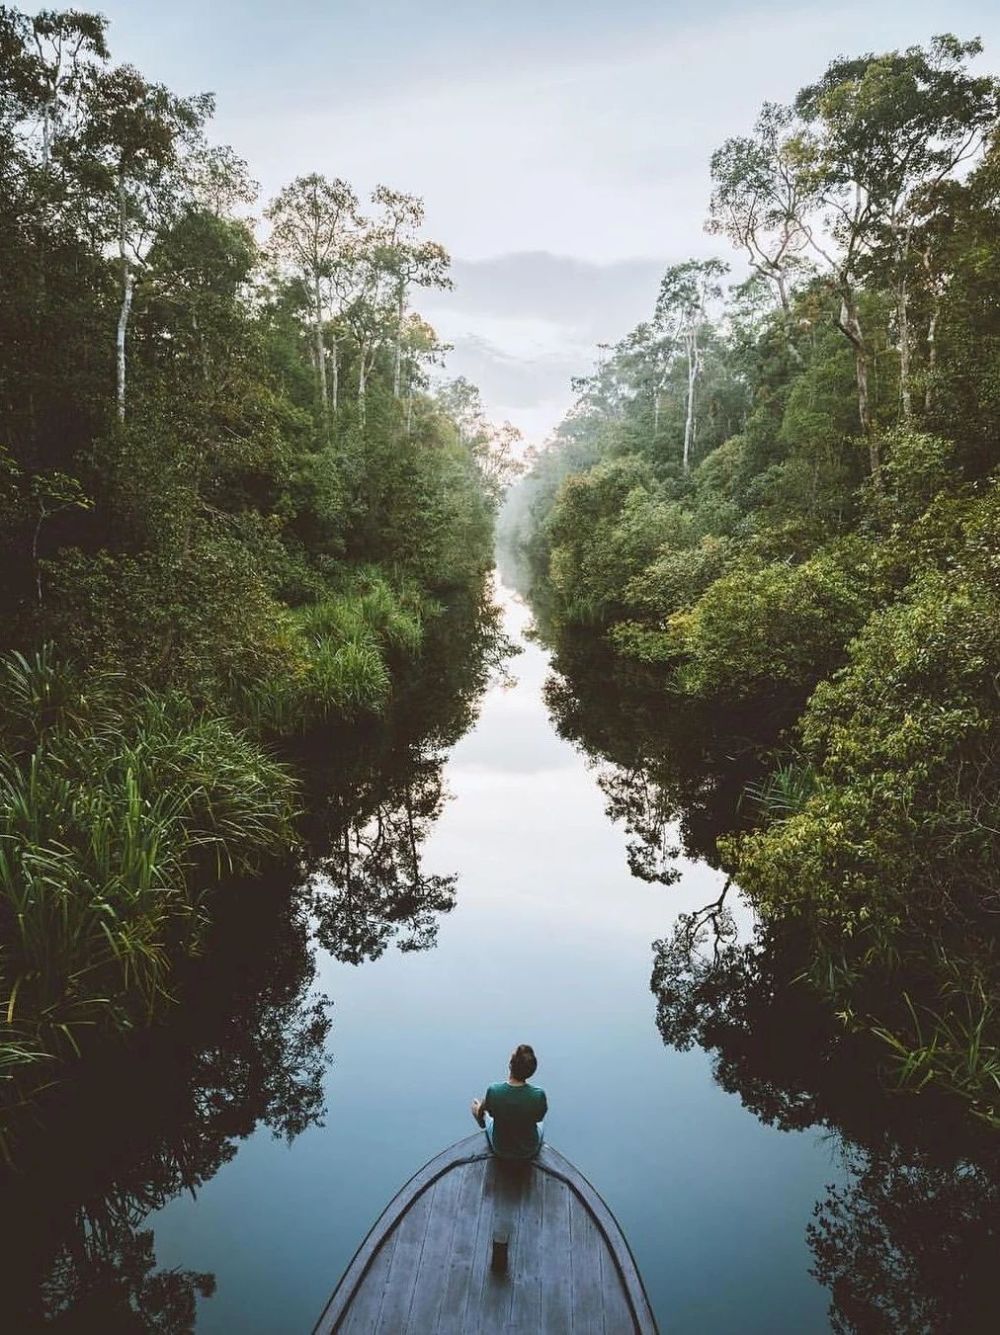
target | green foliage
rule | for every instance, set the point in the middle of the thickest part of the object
(219, 541)
(774, 627)
(344, 648)
(117, 810)
(917, 468)
(608, 522)
(820, 588)
(675, 580)
(786, 789)
(897, 846)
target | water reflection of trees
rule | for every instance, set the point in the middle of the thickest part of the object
(671, 775)
(137, 1127)
(911, 1241)
(370, 888)
(377, 794)
(248, 1045)
(111, 1284)
(911, 1245)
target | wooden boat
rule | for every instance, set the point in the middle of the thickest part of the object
(476, 1243)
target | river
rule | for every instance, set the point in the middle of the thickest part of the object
(549, 942)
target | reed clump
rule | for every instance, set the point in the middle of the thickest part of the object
(118, 810)
(345, 645)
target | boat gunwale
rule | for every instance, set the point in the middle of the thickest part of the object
(464, 1152)
(611, 1231)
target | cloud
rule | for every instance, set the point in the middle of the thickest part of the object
(596, 299)
(523, 325)
(598, 148)
(515, 382)
(531, 391)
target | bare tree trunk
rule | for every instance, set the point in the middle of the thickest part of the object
(931, 338)
(786, 316)
(931, 355)
(778, 278)
(335, 377)
(692, 361)
(47, 132)
(850, 326)
(362, 385)
(903, 319)
(397, 364)
(902, 246)
(320, 350)
(128, 283)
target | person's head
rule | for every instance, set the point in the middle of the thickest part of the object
(523, 1062)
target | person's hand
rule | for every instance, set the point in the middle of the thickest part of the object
(477, 1110)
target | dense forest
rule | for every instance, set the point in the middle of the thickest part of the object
(235, 505)
(764, 545)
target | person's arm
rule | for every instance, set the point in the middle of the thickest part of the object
(480, 1107)
(543, 1108)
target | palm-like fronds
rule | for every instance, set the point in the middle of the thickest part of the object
(345, 643)
(109, 828)
(785, 791)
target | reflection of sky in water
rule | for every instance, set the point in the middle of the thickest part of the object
(550, 943)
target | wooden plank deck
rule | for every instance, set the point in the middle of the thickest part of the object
(424, 1269)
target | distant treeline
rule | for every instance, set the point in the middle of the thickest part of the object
(229, 504)
(779, 500)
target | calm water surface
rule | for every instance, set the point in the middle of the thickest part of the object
(549, 943)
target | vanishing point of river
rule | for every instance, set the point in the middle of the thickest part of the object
(549, 943)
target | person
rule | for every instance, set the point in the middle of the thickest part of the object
(516, 1109)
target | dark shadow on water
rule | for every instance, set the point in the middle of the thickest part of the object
(911, 1241)
(137, 1126)
(248, 1044)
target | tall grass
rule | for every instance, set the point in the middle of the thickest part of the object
(785, 791)
(120, 808)
(117, 810)
(345, 645)
(953, 1045)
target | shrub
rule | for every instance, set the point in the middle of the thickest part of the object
(891, 861)
(117, 810)
(773, 627)
(343, 644)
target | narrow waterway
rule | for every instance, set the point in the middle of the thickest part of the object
(549, 943)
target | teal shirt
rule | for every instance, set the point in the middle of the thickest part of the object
(516, 1111)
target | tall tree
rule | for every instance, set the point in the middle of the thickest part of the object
(313, 222)
(65, 45)
(219, 180)
(886, 129)
(405, 258)
(136, 136)
(686, 292)
(757, 198)
(370, 315)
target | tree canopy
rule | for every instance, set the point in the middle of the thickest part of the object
(779, 507)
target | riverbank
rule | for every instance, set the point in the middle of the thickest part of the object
(160, 1111)
(129, 818)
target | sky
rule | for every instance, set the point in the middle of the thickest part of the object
(561, 146)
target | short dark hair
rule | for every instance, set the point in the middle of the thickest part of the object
(523, 1062)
